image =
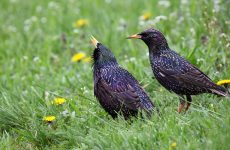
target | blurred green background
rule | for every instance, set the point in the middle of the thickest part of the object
(39, 58)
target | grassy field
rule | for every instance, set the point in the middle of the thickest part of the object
(39, 38)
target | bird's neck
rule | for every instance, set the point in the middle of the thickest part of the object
(155, 45)
(158, 49)
(155, 52)
(102, 64)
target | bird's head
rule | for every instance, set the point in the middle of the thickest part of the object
(101, 54)
(153, 38)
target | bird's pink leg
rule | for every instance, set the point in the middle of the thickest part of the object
(182, 103)
(189, 100)
(181, 107)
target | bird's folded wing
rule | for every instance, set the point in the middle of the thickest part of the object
(192, 76)
(123, 92)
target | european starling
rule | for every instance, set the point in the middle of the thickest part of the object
(174, 72)
(116, 89)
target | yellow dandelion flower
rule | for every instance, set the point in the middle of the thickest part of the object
(81, 23)
(78, 57)
(223, 82)
(59, 101)
(146, 16)
(87, 59)
(173, 145)
(49, 119)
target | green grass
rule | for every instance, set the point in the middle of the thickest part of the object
(36, 67)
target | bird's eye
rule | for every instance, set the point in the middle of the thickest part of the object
(154, 35)
(143, 34)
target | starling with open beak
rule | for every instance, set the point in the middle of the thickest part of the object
(174, 72)
(116, 89)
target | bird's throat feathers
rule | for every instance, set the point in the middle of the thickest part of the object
(157, 46)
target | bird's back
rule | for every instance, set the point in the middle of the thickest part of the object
(116, 89)
(178, 75)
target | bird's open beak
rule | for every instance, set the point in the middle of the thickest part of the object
(135, 36)
(94, 41)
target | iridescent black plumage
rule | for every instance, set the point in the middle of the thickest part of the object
(174, 72)
(115, 88)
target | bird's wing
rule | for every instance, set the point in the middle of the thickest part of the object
(188, 75)
(123, 92)
(176, 71)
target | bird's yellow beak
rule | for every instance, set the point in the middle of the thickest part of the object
(135, 36)
(94, 41)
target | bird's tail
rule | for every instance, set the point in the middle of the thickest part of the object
(221, 91)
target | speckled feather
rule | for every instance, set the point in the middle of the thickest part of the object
(116, 89)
